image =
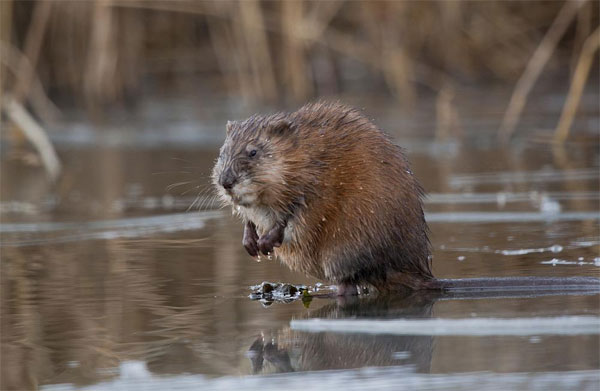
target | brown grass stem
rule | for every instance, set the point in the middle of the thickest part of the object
(534, 68)
(582, 70)
(33, 44)
(35, 134)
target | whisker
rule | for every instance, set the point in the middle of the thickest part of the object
(174, 185)
(205, 203)
(171, 172)
(199, 198)
(211, 201)
(214, 199)
(188, 190)
(205, 198)
(192, 204)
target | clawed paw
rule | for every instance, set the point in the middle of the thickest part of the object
(251, 246)
(266, 244)
(250, 240)
(269, 241)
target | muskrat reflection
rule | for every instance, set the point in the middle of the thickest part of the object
(287, 350)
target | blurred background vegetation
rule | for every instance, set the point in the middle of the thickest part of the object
(453, 68)
(100, 55)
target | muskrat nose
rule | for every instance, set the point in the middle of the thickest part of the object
(227, 179)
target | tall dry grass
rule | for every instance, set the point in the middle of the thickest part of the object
(102, 52)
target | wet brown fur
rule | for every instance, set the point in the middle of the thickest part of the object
(350, 201)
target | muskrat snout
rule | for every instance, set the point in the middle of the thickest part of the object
(227, 179)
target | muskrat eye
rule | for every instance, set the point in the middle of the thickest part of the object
(252, 153)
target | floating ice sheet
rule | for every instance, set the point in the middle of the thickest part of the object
(386, 378)
(508, 217)
(540, 176)
(563, 325)
(22, 234)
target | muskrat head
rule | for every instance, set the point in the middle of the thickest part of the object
(250, 161)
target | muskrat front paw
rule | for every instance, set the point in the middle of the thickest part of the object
(271, 239)
(250, 240)
(266, 244)
(251, 246)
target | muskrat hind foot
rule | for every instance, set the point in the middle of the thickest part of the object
(250, 240)
(271, 239)
(346, 289)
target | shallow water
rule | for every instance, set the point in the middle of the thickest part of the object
(114, 280)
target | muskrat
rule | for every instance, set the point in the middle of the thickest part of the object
(331, 196)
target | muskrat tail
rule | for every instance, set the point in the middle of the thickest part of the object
(519, 284)
(402, 281)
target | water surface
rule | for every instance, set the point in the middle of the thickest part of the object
(126, 274)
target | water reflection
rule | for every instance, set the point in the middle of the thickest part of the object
(287, 350)
(179, 305)
(308, 346)
(118, 275)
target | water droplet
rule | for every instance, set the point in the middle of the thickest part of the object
(323, 218)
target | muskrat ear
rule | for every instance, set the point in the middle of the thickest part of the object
(229, 126)
(280, 127)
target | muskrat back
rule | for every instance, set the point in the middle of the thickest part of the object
(329, 194)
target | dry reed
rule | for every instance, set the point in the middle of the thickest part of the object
(535, 66)
(582, 70)
(100, 52)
